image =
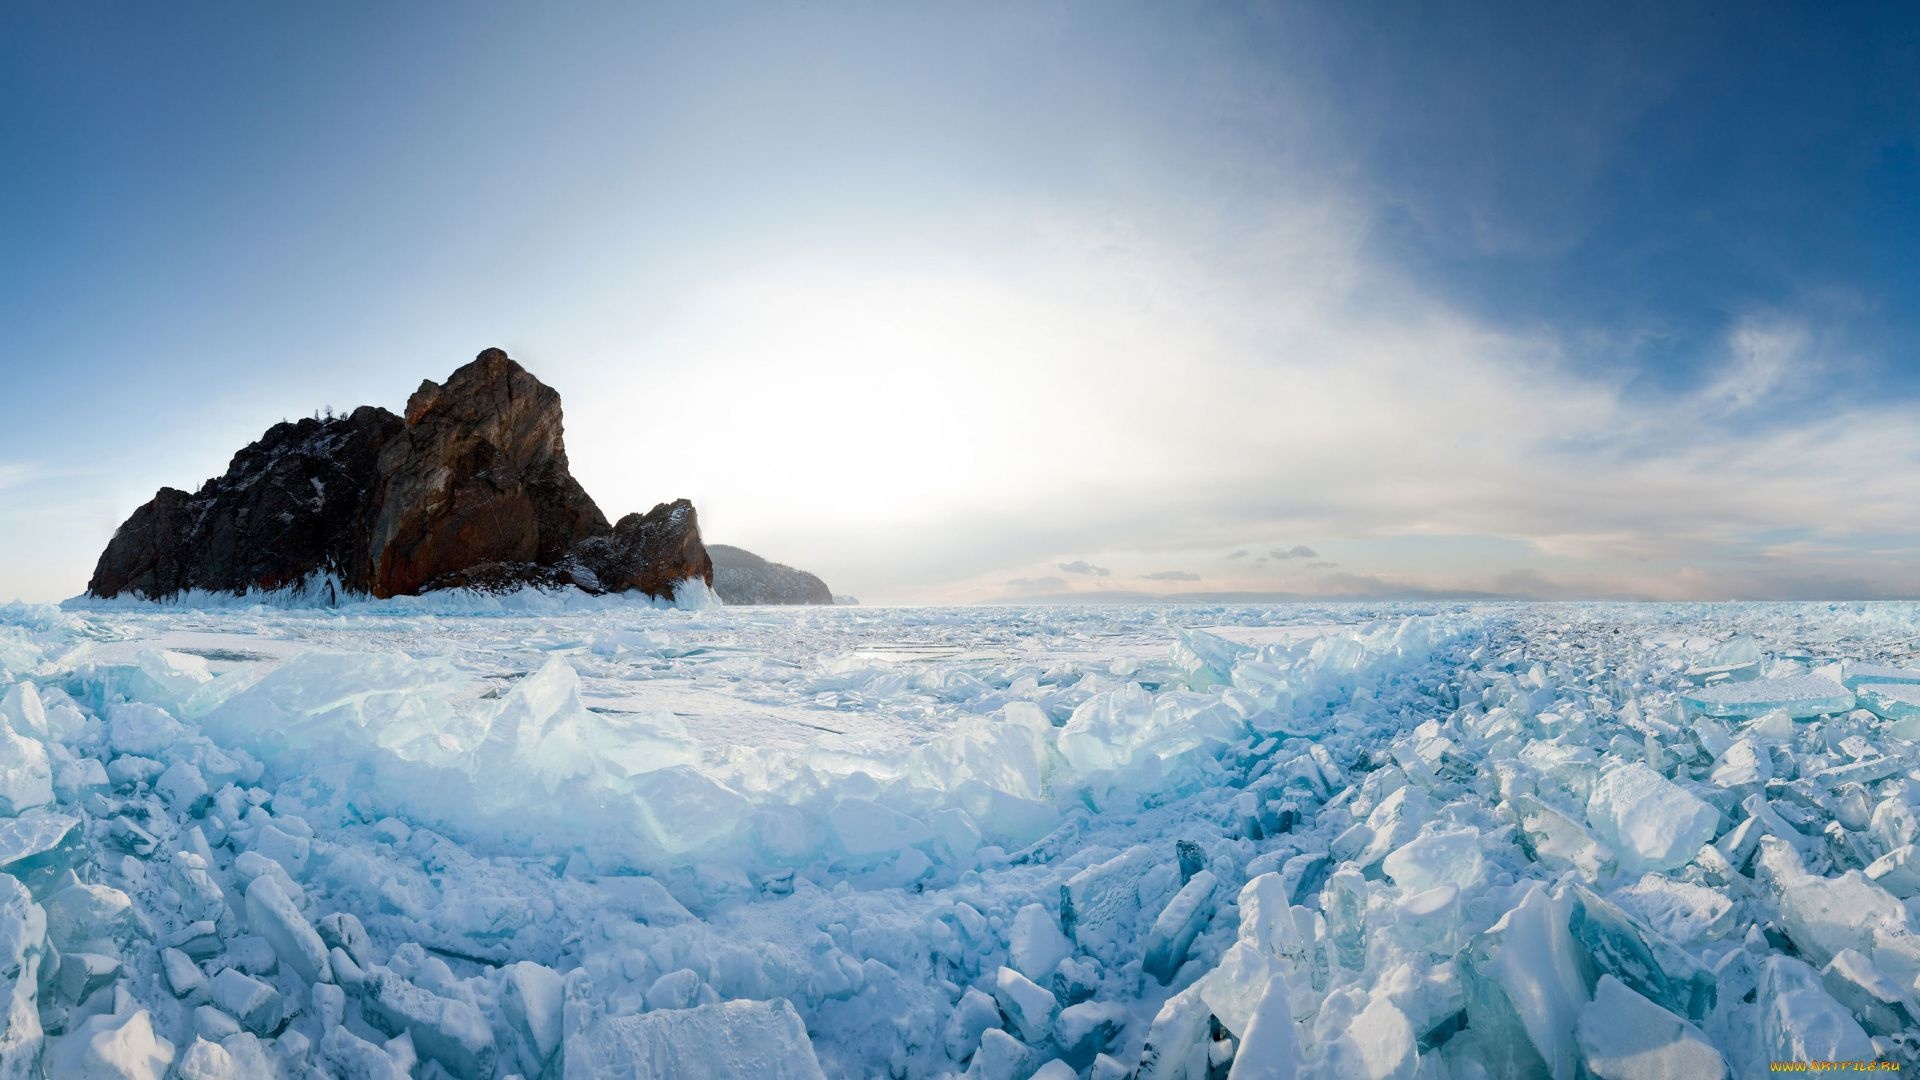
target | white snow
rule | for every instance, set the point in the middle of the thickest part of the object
(539, 835)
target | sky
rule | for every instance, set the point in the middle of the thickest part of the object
(977, 302)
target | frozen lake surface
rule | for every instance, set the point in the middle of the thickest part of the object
(1440, 840)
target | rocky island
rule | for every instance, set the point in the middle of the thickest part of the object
(741, 577)
(469, 489)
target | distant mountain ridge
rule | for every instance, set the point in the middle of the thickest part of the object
(470, 489)
(741, 577)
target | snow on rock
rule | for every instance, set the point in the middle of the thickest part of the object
(254, 1004)
(1037, 946)
(109, 1046)
(1028, 1006)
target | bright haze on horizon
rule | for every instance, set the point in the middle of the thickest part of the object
(969, 302)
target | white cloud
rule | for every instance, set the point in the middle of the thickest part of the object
(927, 422)
(1763, 354)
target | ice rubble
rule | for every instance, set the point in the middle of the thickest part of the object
(1490, 842)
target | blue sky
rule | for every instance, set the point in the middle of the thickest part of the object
(1512, 298)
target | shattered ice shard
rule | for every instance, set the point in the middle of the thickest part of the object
(1639, 957)
(1029, 1006)
(37, 848)
(1270, 1047)
(1799, 695)
(1894, 701)
(1800, 1021)
(1624, 1036)
(1652, 822)
(452, 1033)
(1855, 675)
(1738, 658)
(761, 1039)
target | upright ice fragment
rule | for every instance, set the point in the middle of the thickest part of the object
(1525, 988)
(1181, 921)
(273, 916)
(1270, 1047)
(1177, 1040)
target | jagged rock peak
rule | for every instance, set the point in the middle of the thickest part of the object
(471, 487)
(479, 475)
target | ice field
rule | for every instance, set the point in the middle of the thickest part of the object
(604, 839)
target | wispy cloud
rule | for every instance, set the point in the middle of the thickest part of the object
(1081, 566)
(1297, 551)
(16, 474)
(1172, 575)
(1764, 355)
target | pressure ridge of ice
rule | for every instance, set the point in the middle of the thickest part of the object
(1439, 841)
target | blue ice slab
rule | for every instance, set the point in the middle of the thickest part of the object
(1799, 696)
(1857, 675)
(1895, 701)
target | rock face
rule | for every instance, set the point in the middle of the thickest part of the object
(470, 489)
(741, 577)
(477, 475)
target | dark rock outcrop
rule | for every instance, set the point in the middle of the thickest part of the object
(470, 489)
(298, 501)
(649, 552)
(741, 577)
